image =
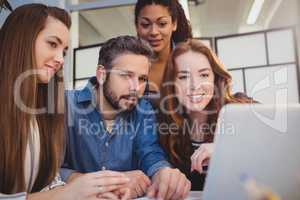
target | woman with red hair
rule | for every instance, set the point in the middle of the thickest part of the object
(195, 87)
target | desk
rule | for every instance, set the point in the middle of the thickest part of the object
(194, 195)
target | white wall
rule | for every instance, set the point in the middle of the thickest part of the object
(58, 3)
(288, 14)
(264, 65)
(17, 3)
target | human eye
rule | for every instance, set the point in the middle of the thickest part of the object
(162, 23)
(125, 75)
(143, 79)
(204, 75)
(183, 77)
(145, 24)
(52, 44)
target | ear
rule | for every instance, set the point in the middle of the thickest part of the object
(101, 74)
(174, 25)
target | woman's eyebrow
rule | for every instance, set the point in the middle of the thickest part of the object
(200, 70)
(59, 41)
(147, 19)
(183, 71)
(204, 69)
(57, 38)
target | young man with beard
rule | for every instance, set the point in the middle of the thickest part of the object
(110, 126)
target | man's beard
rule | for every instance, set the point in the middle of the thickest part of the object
(114, 101)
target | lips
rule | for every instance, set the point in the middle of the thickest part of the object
(155, 42)
(51, 68)
(129, 98)
(196, 98)
(130, 102)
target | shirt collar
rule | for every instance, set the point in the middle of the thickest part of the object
(87, 93)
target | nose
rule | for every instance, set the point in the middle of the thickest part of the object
(154, 30)
(193, 83)
(59, 59)
(134, 84)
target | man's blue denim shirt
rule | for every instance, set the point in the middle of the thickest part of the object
(132, 144)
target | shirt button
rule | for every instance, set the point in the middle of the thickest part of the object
(106, 144)
(103, 168)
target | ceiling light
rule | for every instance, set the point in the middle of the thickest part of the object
(196, 2)
(255, 11)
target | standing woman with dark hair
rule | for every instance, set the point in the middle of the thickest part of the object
(163, 24)
(33, 42)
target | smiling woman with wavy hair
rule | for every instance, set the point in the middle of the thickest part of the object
(195, 87)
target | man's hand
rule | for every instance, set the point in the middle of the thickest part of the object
(138, 183)
(169, 183)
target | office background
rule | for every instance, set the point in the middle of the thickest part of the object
(262, 57)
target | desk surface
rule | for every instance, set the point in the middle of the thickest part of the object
(194, 195)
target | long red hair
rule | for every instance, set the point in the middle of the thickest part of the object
(178, 145)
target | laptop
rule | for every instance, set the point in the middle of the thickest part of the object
(256, 155)
(193, 195)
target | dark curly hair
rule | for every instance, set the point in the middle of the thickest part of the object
(183, 31)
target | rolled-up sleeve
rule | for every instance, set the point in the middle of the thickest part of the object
(151, 156)
(65, 170)
(65, 173)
